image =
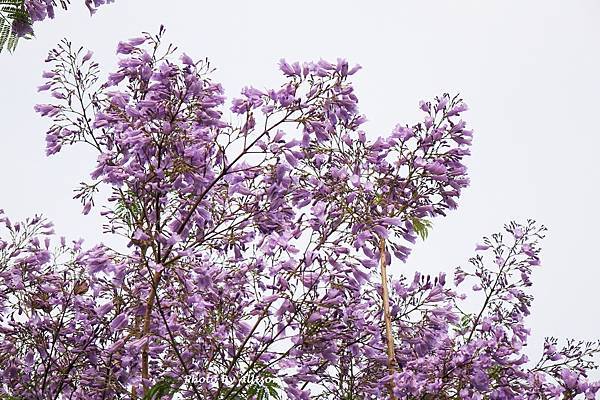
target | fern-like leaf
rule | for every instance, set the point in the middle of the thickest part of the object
(422, 227)
(14, 23)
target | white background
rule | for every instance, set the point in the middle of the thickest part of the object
(528, 70)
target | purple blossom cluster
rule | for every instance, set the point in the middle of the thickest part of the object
(253, 240)
(39, 10)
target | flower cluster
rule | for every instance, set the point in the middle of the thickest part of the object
(39, 10)
(55, 314)
(252, 244)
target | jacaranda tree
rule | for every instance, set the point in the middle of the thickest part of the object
(255, 250)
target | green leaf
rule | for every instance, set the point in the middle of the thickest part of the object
(466, 320)
(495, 372)
(272, 387)
(165, 387)
(421, 226)
(12, 11)
(262, 390)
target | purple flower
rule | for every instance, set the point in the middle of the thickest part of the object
(187, 60)
(119, 323)
(47, 110)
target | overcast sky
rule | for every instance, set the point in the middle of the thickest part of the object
(527, 69)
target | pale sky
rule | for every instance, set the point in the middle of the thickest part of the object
(527, 69)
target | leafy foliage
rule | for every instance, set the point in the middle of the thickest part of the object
(164, 387)
(264, 391)
(7, 397)
(265, 388)
(422, 227)
(13, 18)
